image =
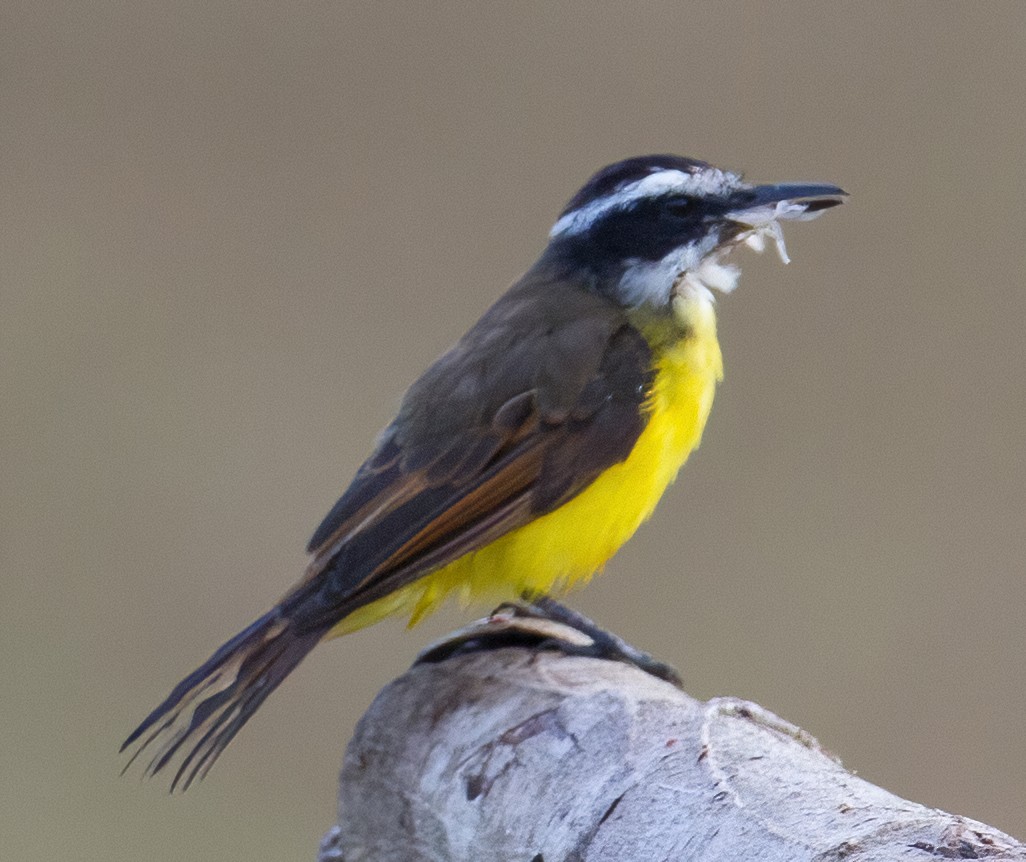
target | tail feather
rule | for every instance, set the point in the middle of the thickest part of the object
(207, 708)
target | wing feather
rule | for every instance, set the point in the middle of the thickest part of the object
(541, 396)
(417, 504)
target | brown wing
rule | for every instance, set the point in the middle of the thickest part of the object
(531, 405)
(458, 467)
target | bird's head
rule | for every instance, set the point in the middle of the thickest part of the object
(644, 228)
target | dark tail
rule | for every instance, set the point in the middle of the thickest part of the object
(207, 708)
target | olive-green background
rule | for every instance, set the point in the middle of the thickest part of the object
(232, 233)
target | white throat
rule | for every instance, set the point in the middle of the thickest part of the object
(695, 270)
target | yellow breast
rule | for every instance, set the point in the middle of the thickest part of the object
(570, 544)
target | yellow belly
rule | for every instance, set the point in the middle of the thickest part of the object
(570, 544)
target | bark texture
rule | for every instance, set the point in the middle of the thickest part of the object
(529, 754)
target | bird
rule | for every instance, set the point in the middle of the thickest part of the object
(525, 456)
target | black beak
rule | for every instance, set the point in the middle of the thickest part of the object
(782, 202)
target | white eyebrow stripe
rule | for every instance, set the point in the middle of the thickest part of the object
(706, 181)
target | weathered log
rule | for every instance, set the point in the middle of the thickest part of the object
(505, 742)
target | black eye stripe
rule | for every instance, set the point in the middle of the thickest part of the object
(680, 207)
(647, 231)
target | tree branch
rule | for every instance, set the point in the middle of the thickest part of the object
(505, 742)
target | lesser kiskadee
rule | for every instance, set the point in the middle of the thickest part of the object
(525, 456)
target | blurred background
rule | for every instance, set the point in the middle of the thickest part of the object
(233, 233)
